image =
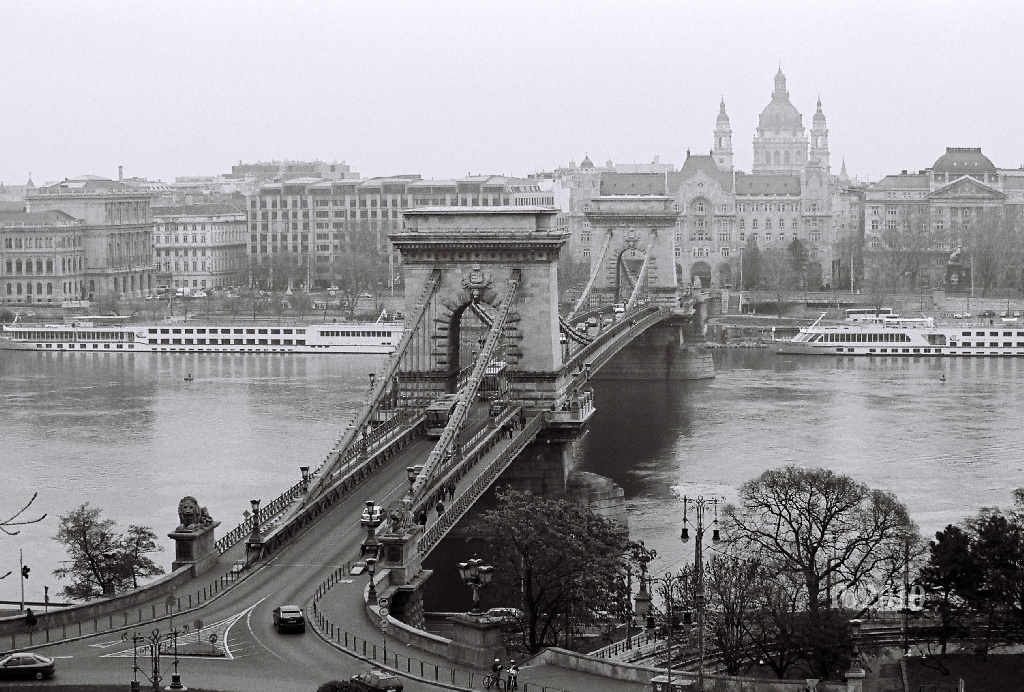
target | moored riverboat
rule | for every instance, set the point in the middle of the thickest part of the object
(85, 335)
(905, 337)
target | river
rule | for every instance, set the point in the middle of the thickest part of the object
(127, 433)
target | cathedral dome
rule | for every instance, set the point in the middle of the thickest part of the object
(780, 114)
(586, 163)
(963, 161)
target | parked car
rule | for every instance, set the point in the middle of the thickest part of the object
(987, 313)
(376, 681)
(289, 617)
(27, 665)
(962, 316)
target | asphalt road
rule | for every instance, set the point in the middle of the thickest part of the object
(258, 658)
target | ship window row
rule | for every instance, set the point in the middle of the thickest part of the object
(889, 338)
(373, 334)
(990, 334)
(85, 346)
(30, 335)
(215, 330)
(990, 344)
(228, 342)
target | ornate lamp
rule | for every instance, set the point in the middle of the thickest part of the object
(476, 576)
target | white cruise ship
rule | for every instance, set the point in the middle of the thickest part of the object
(85, 335)
(906, 337)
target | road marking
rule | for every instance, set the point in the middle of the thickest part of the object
(107, 645)
(248, 624)
(224, 624)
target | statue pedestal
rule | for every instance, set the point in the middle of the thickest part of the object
(476, 640)
(398, 553)
(194, 547)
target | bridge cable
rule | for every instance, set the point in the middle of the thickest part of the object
(595, 269)
(641, 279)
(414, 325)
(466, 395)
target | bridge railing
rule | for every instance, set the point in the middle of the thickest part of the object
(474, 450)
(377, 440)
(628, 322)
(463, 502)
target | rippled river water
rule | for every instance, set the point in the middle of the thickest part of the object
(129, 435)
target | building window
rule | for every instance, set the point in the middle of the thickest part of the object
(586, 253)
(753, 224)
(725, 252)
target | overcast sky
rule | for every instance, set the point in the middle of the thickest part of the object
(448, 88)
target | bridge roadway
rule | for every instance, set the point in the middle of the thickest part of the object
(258, 657)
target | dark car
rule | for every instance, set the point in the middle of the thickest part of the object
(26, 665)
(376, 681)
(289, 618)
(987, 313)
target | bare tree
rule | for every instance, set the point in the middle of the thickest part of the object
(777, 274)
(7, 525)
(826, 528)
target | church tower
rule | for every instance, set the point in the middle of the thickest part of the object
(722, 150)
(819, 140)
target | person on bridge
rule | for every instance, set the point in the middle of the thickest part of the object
(496, 670)
(421, 518)
(513, 675)
(439, 508)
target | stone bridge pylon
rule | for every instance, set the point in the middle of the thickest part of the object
(469, 263)
(633, 235)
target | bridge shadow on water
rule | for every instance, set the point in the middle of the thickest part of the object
(631, 438)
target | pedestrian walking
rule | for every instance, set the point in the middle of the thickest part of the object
(422, 517)
(439, 508)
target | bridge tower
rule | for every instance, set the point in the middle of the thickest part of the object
(478, 257)
(634, 226)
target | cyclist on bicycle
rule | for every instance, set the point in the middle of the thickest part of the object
(513, 675)
(495, 677)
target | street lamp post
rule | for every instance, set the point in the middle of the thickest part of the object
(371, 567)
(699, 505)
(667, 582)
(476, 576)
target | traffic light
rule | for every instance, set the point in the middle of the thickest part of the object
(25, 569)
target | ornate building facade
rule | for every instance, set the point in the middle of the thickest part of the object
(789, 195)
(116, 235)
(962, 204)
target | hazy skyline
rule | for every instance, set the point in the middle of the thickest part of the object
(449, 88)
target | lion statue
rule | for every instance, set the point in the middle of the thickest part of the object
(191, 515)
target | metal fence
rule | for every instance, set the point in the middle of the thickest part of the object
(396, 661)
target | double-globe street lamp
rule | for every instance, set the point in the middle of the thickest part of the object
(699, 505)
(476, 575)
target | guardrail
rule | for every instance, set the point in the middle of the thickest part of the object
(463, 502)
